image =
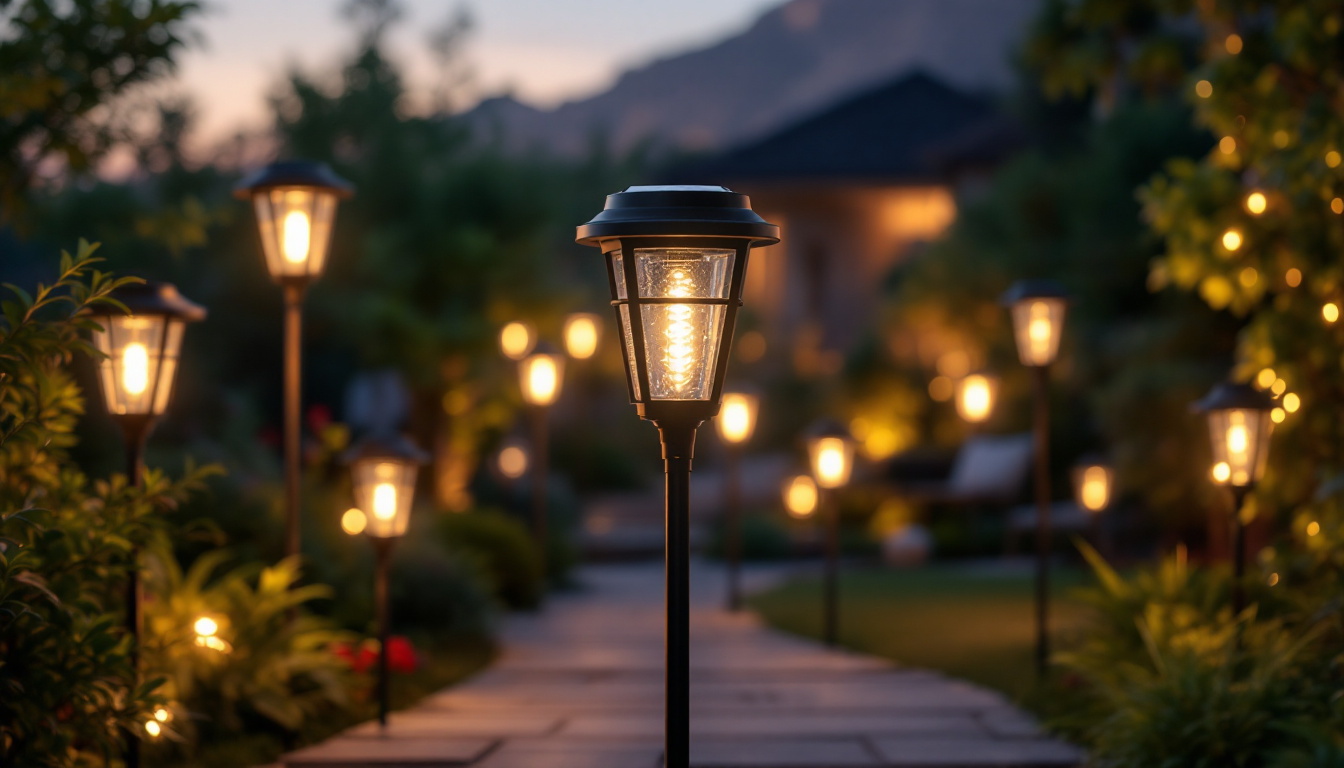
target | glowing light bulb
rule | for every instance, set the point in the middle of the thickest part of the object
(581, 337)
(513, 462)
(385, 501)
(679, 354)
(1256, 203)
(354, 521)
(977, 398)
(1313, 528)
(800, 496)
(1231, 239)
(206, 626)
(161, 715)
(735, 421)
(1096, 491)
(1040, 330)
(135, 368)
(1330, 312)
(515, 340)
(153, 728)
(542, 379)
(831, 461)
(1221, 472)
(297, 237)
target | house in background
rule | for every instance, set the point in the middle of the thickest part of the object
(855, 189)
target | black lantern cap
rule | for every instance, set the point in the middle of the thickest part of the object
(677, 211)
(1025, 290)
(294, 173)
(1092, 460)
(543, 347)
(391, 446)
(828, 428)
(154, 298)
(1228, 396)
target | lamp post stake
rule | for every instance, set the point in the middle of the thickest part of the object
(832, 575)
(678, 447)
(733, 534)
(382, 548)
(1041, 435)
(540, 472)
(1238, 551)
(293, 294)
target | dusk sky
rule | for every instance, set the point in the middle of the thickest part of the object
(545, 51)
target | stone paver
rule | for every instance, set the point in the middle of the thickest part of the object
(580, 686)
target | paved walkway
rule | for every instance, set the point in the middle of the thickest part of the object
(580, 686)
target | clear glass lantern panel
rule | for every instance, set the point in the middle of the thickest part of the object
(1038, 324)
(384, 489)
(618, 273)
(632, 374)
(295, 227)
(1240, 440)
(682, 340)
(139, 362)
(1093, 486)
(832, 460)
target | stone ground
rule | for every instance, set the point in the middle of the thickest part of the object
(580, 686)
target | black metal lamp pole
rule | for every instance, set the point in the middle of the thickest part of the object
(295, 205)
(676, 259)
(383, 468)
(1240, 424)
(540, 375)
(141, 349)
(1037, 308)
(831, 455)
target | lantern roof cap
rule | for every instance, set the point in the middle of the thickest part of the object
(543, 347)
(153, 298)
(293, 173)
(677, 211)
(385, 445)
(828, 428)
(1227, 396)
(1093, 459)
(1025, 290)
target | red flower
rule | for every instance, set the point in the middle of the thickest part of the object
(401, 656)
(319, 416)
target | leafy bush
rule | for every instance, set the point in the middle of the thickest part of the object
(504, 549)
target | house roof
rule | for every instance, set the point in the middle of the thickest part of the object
(915, 128)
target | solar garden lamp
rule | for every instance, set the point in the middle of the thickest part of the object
(540, 375)
(141, 348)
(295, 206)
(1240, 424)
(383, 470)
(736, 422)
(1037, 308)
(676, 258)
(976, 395)
(830, 451)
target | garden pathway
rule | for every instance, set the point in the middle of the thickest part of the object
(580, 686)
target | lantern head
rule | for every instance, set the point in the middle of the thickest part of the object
(800, 495)
(582, 332)
(1239, 429)
(737, 419)
(540, 375)
(141, 347)
(1038, 309)
(676, 258)
(830, 450)
(295, 205)
(1093, 484)
(976, 394)
(383, 469)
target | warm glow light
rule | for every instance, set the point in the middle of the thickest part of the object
(516, 340)
(135, 368)
(1233, 44)
(975, 401)
(1266, 378)
(831, 462)
(1231, 239)
(296, 237)
(1227, 145)
(541, 379)
(1273, 579)
(1291, 402)
(1095, 492)
(581, 336)
(737, 418)
(800, 496)
(1332, 158)
(385, 501)
(206, 626)
(161, 715)
(513, 462)
(1039, 330)
(941, 388)
(1249, 277)
(153, 728)
(1330, 312)
(1278, 387)
(1313, 528)
(679, 355)
(1204, 89)
(354, 521)
(1237, 441)
(1293, 277)
(1337, 205)
(1282, 138)
(1256, 203)
(1277, 415)
(1222, 472)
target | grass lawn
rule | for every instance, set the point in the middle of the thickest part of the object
(972, 622)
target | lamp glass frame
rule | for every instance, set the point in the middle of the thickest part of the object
(273, 205)
(1090, 472)
(368, 476)
(159, 336)
(1246, 467)
(817, 447)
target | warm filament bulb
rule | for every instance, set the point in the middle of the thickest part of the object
(542, 379)
(385, 501)
(736, 418)
(297, 237)
(976, 398)
(1095, 489)
(679, 359)
(831, 462)
(1237, 438)
(1039, 330)
(800, 496)
(206, 626)
(581, 337)
(135, 368)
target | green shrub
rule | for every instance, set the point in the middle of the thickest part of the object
(504, 549)
(436, 589)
